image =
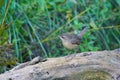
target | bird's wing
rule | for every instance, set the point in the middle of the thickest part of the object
(75, 41)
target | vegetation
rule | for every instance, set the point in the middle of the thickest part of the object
(29, 28)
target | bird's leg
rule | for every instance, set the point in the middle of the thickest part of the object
(78, 50)
(75, 51)
(71, 54)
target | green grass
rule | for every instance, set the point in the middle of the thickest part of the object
(36, 24)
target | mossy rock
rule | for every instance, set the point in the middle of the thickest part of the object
(89, 75)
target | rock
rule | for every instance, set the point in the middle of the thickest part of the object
(100, 65)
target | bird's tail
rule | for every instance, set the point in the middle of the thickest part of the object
(83, 32)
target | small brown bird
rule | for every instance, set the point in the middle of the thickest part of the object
(72, 41)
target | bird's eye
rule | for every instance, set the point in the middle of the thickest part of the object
(63, 36)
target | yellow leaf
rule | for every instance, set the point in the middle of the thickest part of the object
(1, 2)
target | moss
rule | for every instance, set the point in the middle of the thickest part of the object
(90, 75)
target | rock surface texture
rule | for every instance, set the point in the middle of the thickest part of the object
(100, 65)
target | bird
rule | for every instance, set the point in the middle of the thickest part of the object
(72, 41)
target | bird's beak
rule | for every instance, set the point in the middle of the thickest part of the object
(59, 36)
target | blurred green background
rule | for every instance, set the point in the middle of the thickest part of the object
(29, 28)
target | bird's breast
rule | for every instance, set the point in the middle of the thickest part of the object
(69, 45)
